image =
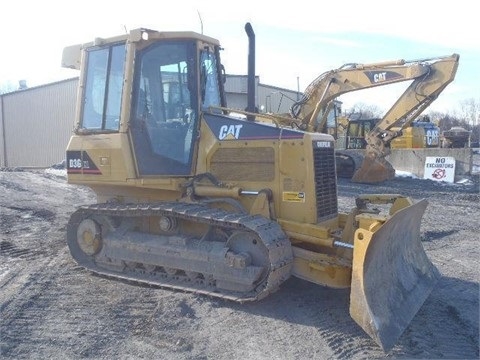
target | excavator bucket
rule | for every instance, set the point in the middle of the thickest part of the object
(391, 276)
(373, 170)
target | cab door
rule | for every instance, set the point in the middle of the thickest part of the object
(164, 118)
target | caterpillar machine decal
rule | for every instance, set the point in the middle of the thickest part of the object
(191, 198)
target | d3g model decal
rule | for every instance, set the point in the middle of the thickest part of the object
(226, 128)
(78, 162)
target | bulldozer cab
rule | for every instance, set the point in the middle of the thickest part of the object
(171, 82)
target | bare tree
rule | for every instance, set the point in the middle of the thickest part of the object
(448, 121)
(365, 111)
(470, 111)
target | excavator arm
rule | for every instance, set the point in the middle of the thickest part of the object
(430, 77)
(350, 77)
(414, 100)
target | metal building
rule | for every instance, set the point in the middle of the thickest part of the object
(268, 98)
(36, 123)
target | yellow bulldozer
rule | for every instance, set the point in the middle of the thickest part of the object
(191, 198)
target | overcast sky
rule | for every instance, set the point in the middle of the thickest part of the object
(297, 39)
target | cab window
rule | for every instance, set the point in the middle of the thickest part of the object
(103, 88)
(209, 80)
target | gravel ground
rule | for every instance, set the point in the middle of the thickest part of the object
(51, 308)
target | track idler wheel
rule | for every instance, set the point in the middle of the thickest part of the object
(248, 250)
(89, 237)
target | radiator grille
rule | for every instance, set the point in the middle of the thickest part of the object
(325, 183)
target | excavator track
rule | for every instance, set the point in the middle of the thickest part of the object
(233, 256)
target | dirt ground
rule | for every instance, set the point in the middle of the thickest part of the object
(50, 308)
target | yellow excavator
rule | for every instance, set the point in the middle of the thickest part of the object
(191, 198)
(351, 132)
(429, 78)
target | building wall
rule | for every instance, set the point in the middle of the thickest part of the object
(236, 101)
(276, 100)
(37, 124)
(267, 98)
(238, 84)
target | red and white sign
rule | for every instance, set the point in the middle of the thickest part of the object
(439, 169)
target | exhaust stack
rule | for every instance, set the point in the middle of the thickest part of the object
(251, 71)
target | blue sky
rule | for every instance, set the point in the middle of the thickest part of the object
(294, 40)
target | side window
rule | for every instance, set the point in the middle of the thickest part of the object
(176, 95)
(103, 88)
(209, 80)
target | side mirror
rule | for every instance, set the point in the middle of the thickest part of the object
(224, 76)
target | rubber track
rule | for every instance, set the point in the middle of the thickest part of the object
(270, 233)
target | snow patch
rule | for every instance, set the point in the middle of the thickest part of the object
(56, 172)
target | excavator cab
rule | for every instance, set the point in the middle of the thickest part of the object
(356, 131)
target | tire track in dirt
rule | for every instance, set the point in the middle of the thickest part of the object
(10, 250)
(440, 329)
(25, 311)
(344, 337)
(326, 310)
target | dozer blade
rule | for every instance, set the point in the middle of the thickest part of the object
(373, 170)
(391, 276)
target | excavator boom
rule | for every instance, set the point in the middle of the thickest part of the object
(350, 77)
(430, 77)
(414, 100)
